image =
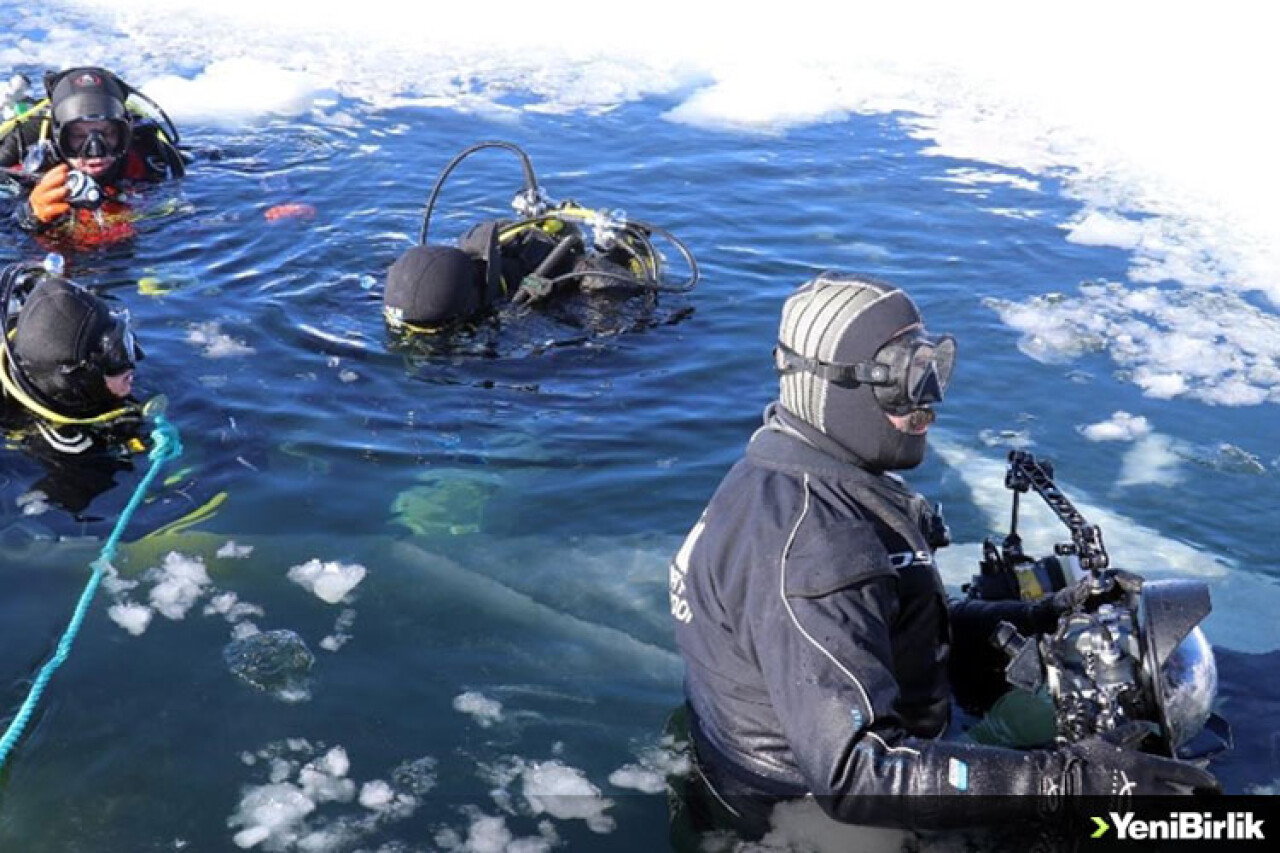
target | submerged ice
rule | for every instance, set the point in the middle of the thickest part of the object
(309, 801)
(277, 662)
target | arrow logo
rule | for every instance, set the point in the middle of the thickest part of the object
(1103, 826)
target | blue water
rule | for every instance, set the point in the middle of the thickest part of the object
(557, 464)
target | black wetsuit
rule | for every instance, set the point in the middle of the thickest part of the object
(817, 635)
(79, 462)
(507, 265)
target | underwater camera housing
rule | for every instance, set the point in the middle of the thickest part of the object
(83, 191)
(1131, 651)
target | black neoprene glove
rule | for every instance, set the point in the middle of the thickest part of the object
(1046, 611)
(1110, 765)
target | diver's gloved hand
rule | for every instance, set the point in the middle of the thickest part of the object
(49, 197)
(1049, 609)
(1110, 765)
(1046, 612)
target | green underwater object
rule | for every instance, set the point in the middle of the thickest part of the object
(163, 282)
(150, 285)
(449, 502)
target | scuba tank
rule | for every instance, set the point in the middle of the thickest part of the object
(616, 251)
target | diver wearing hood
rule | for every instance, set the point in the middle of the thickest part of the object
(815, 629)
(79, 148)
(548, 251)
(66, 363)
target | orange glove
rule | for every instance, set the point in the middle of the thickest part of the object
(49, 198)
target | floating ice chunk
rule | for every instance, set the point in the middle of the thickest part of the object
(216, 343)
(1017, 439)
(114, 584)
(233, 551)
(1216, 347)
(130, 616)
(247, 838)
(330, 582)
(482, 709)
(34, 502)
(417, 777)
(231, 90)
(1097, 228)
(324, 780)
(1230, 459)
(243, 630)
(229, 606)
(272, 814)
(376, 795)
(649, 774)
(281, 769)
(1153, 460)
(275, 661)
(1162, 386)
(1121, 427)
(488, 834)
(341, 631)
(220, 604)
(565, 792)
(181, 580)
(638, 778)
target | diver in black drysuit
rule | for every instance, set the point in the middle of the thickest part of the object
(551, 250)
(66, 377)
(815, 629)
(432, 286)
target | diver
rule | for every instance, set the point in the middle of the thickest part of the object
(549, 250)
(77, 151)
(66, 382)
(815, 628)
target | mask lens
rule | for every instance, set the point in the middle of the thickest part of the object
(94, 138)
(120, 350)
(929, 371)
(945, 356)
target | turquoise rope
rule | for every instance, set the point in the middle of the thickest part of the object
(166, 445)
